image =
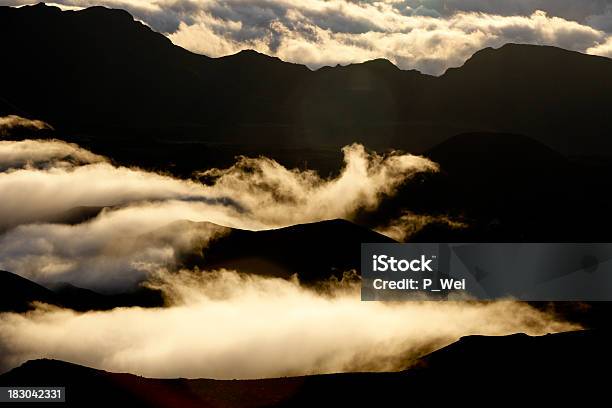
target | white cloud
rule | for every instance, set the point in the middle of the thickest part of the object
(227, 325)
(426, 43)
(604, 49)
(44, 179)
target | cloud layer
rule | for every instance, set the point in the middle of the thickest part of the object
(219, 324)
(227, 325)
(429, 35)
(137, 232)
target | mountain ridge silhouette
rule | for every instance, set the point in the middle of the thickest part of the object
(111, 80)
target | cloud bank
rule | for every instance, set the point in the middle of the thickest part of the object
(428, 35)
(227, 325)
(218, 324)
(148, 220)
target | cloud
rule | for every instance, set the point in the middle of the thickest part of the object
(409, 223)
(229, 325)
(9, 124)
(427, 35)
(220, 324)
(43, 153)
(113, 253)
(429, 44)
(567, 9)
(42, 180)
(604, 50)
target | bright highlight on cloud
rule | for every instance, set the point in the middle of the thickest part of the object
(227, 325)
(147, 220)
(409, 223)
(42, 153)
(430, 36)
(10, 123)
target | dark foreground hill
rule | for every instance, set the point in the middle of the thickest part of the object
(112, 83)
(315, 251)
(476, 371)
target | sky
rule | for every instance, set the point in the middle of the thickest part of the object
(428, 35)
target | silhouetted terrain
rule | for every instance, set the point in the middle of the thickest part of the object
(112, 84)
(18, 293)
(476, 370)
(314, 251)
(506, 188)
(281, 252)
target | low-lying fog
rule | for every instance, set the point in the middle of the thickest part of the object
(220, 324)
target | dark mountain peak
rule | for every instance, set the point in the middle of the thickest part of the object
(485, 143)
(249, 56)
(251, 53)
(102, 11)
(252, 59)
(116, 73)
(496, 152)
(40, 7)
(44, 368)
(526, 57)
(378, 63)
(51, 20)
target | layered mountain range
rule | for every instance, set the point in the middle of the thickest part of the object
(476, 370)
(106, 80)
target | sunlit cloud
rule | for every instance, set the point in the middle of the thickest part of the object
(409, 223)
(41, 180)
(10, 123)
(43, 153)
(604, 49)
(228, 325)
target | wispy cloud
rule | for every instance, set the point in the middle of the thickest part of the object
(41, 180)
(9, 124)
(409, 223)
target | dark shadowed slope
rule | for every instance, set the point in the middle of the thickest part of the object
(17, 293)
(111, 82)
(479, 371)
(557, 96)
(510, 187)
(314, 251)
